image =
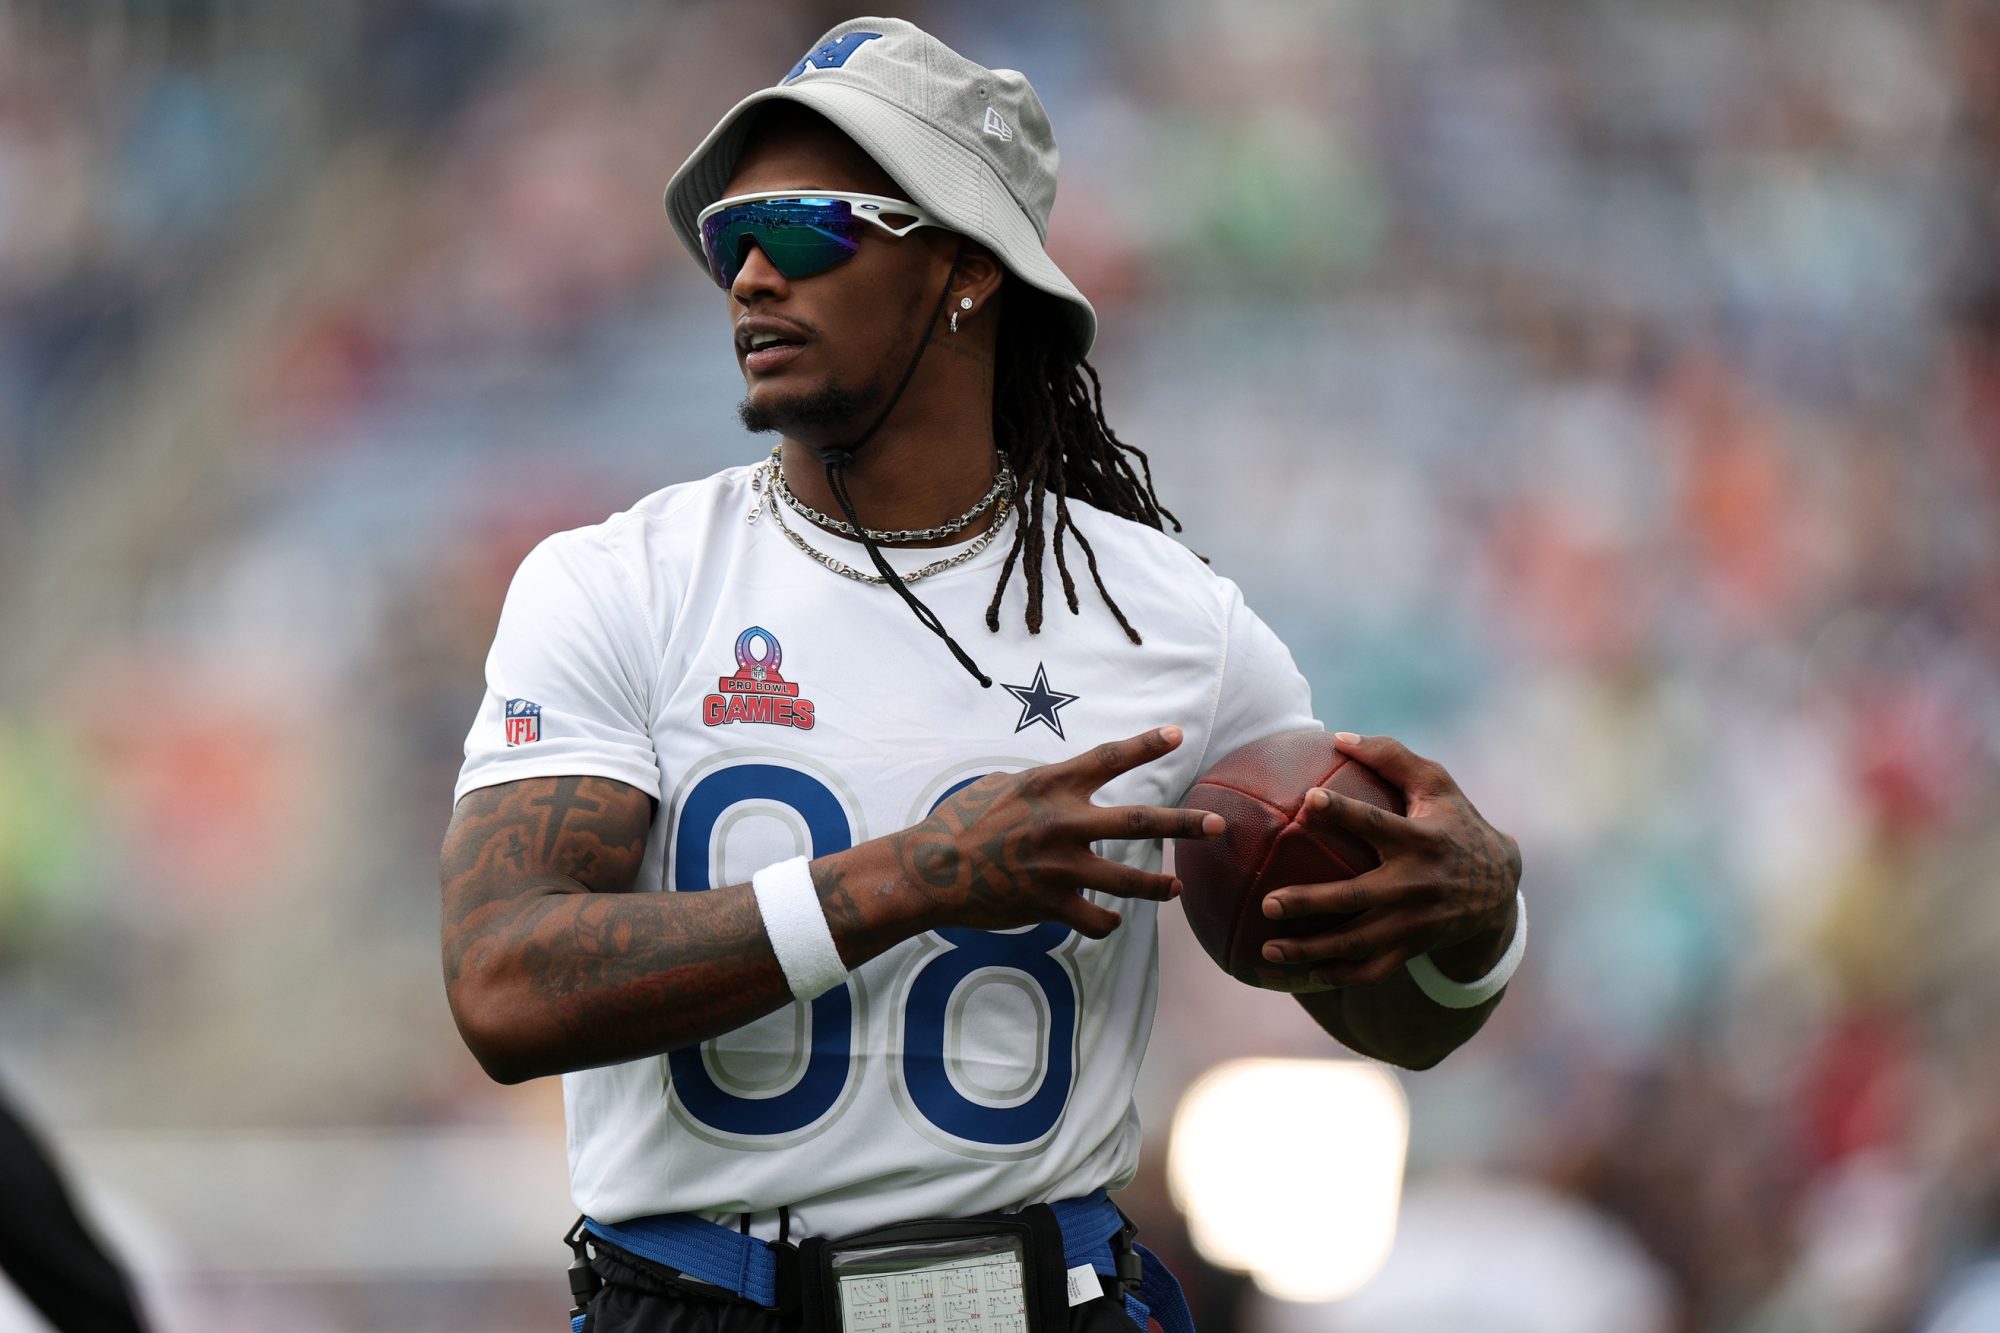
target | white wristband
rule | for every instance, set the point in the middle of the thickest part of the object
(1471, 994)
(797, 926)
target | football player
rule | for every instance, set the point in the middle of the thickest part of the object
(811, 826)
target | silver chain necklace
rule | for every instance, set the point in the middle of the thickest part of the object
(769, 481)
(1003, 485)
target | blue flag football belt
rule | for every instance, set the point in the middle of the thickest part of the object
(770, 1275)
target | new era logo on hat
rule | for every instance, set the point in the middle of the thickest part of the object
(997, 126)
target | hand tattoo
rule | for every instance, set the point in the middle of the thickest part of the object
(993, 876)
(1485, 865)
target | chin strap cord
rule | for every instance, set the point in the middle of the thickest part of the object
(838, 458)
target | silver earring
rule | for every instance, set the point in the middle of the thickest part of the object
(964, 303)
(954, 321)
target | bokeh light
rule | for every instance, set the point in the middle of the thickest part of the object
(1290, 1171)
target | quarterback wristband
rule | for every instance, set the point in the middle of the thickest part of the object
(797, 926)
(1471, 994)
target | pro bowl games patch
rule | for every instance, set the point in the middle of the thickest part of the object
(757, 693)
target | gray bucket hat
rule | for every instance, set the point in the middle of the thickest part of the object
(970, 144)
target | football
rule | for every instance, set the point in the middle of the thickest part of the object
(1260, 790)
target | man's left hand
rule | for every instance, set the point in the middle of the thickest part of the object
(1445, 886)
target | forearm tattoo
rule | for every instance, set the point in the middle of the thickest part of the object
(537, 880)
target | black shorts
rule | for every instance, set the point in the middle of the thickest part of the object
(639, 1296)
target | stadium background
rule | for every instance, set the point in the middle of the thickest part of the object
(1600, 396)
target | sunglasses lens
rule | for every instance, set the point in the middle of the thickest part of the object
(800, 237)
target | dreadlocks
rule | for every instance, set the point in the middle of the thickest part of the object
(1048, 423)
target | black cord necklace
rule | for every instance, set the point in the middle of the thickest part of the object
(836, 459)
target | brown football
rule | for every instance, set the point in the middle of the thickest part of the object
(1260, 790)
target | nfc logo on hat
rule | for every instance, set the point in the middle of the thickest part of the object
(831, 56)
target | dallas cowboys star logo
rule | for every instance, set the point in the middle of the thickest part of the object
(1039, 703)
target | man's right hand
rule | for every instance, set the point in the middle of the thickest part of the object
(1013, 849)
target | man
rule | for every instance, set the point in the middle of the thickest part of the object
(906, 971)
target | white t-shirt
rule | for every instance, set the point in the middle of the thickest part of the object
(774, 707)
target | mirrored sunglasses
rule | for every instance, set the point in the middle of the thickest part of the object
(801, 234)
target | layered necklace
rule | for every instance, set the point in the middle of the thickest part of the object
(774, 495)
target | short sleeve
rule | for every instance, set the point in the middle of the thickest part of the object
(567, 680)
(1262, 692)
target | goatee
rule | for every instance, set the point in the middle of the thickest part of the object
(825, 408)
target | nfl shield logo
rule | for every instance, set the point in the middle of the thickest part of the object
(524, 722)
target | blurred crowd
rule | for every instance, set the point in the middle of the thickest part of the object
(1600, 397)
